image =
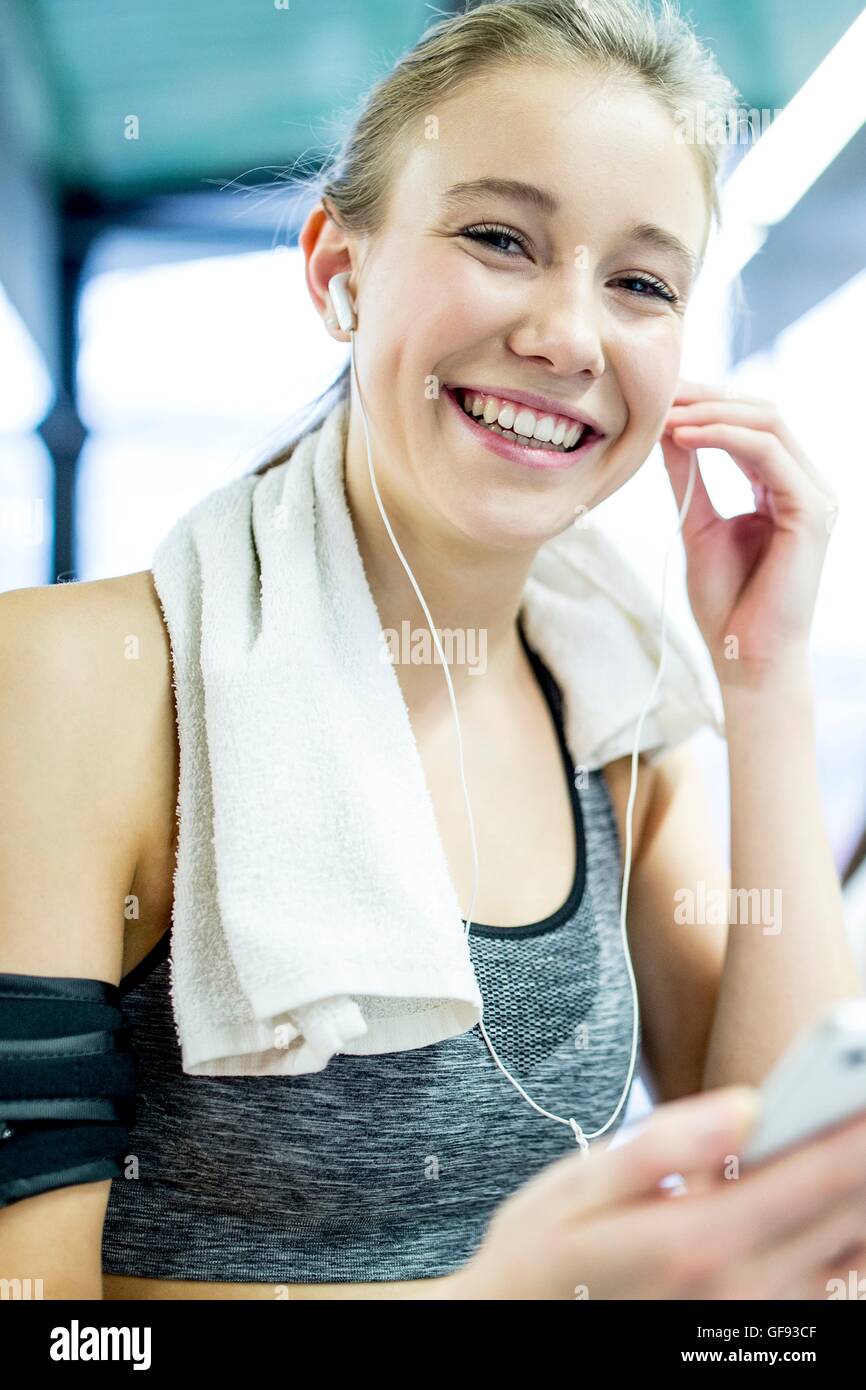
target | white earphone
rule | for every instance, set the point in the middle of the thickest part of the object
(341, 298)
(344, 308)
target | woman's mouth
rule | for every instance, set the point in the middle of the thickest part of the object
(511, 430)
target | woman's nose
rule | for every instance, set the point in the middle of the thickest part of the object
(562, 326)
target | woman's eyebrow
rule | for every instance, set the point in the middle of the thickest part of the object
(545, 201)
(539, 198)
(664, 240)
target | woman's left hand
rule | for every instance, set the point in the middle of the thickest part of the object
(752, 579)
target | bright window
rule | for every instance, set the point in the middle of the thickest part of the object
(186, 369)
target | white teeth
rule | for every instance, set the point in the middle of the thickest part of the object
(521, 423)
(522, 439)
(524, 423)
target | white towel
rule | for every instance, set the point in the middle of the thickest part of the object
(314, 911)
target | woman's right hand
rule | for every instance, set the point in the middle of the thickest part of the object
(598, 1226)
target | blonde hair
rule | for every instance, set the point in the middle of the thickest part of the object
(658, 52)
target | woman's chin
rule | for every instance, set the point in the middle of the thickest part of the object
(505, 528)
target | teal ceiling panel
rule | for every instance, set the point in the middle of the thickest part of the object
(217, 86)
(222, 87)
(769, 48)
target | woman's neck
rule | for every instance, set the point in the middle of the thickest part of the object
(472, 593)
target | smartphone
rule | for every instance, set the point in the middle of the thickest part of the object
(819, 1083)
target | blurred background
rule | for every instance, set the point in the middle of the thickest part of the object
(156, 333)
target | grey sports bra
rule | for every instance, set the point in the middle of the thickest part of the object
(384, 1167)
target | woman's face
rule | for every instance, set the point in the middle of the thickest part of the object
(572, 303)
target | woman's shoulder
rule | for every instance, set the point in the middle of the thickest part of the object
(88, 751)
(617, 776)
(74, 607)
(105, 638)
(673, 775)
(98, 653)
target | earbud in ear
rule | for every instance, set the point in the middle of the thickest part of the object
(341, 298)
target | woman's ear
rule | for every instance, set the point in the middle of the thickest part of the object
(326, 254)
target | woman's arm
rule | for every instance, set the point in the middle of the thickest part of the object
(788, 956)
(723, 988)
(71, 755)
(677, 963)
(752, 581)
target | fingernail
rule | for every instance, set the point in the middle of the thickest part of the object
(737, 1111)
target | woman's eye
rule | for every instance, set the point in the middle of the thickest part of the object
(650, 288)
(487, 234)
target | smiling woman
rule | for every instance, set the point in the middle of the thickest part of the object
(561, 255)
(521, 228)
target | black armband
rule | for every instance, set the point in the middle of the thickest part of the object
(67, 1083)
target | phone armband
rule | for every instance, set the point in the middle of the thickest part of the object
(67, 1083)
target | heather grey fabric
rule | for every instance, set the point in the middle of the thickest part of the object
(383, 1167)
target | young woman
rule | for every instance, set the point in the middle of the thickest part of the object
(519, 220)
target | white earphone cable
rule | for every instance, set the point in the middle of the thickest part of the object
(581, 1138)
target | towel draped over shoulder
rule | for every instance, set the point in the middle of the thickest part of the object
(314, 911)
